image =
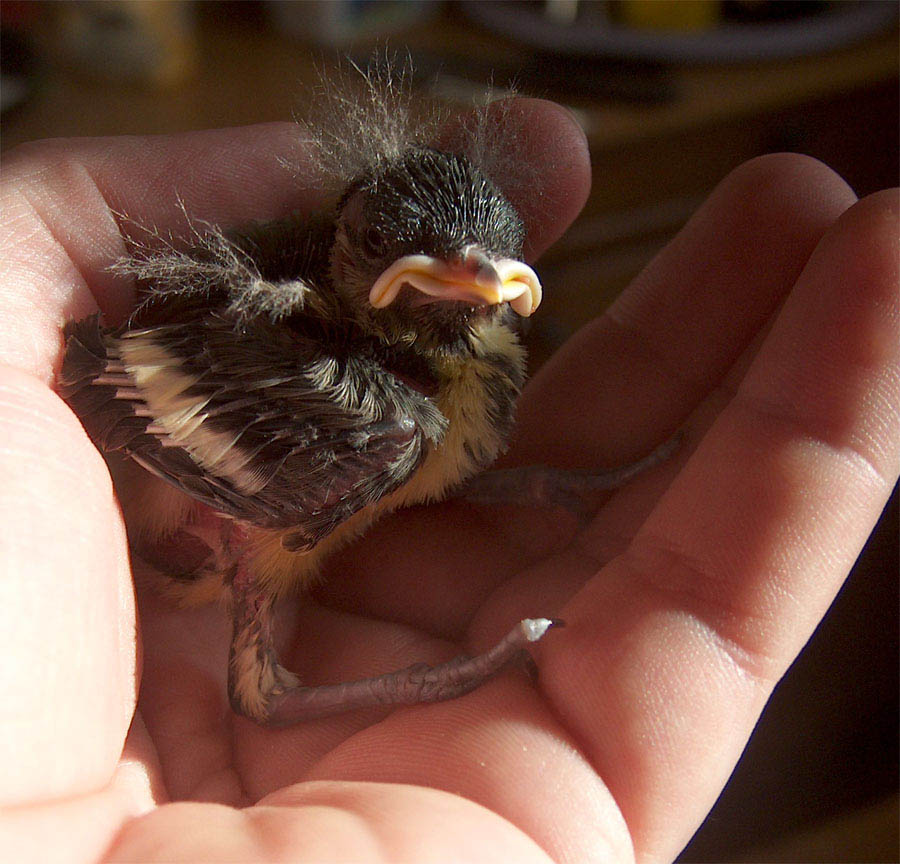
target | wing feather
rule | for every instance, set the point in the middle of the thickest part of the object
(289, 448)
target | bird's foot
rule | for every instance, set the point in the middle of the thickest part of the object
(544, 486)
(418, 683)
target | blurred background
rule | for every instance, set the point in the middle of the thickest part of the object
(671, 95)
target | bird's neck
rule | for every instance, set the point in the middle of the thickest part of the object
(414, 368)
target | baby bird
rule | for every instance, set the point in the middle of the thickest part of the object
(281, 387)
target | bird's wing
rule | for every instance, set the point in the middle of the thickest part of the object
(274, 269)
(270, 426)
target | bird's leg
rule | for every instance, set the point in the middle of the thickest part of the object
(260, 688)
(544, 486)
(255, 676)
(414, 684)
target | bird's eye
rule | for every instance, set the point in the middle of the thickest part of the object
(374, 243)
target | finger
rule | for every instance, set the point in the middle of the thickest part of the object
(629, 378)
(60, 198)
(323, 822)
(68, 673)
(499, 748)
(77, 830)
(691, 627)
(547, 165)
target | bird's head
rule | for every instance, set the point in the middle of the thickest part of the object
(427, 248)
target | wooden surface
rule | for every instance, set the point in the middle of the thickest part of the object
(248, 74)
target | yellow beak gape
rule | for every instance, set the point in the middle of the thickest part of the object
(476, 280)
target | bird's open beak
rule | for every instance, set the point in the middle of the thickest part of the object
(472, 277)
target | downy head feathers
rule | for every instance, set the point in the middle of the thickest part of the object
(359, 118)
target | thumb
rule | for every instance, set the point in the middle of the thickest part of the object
(67, 670)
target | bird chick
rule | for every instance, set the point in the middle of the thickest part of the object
(281, 387)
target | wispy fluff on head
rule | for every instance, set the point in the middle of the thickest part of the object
(361, 117)
(358, 118)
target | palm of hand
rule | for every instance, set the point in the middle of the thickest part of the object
(411, 591)
(686, 596)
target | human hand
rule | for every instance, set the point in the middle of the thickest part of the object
(763, 329)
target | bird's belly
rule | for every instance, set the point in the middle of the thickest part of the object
(478, 399)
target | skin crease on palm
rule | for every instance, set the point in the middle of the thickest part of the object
(768, 329)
